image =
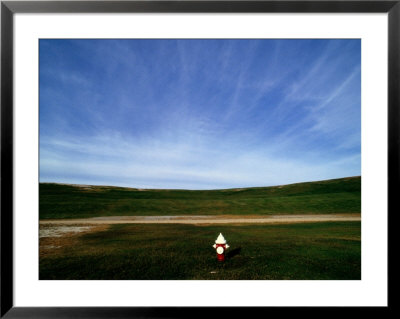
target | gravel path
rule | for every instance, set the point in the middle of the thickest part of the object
(206, 219)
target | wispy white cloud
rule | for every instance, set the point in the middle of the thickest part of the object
(209, 114)
(193, 165)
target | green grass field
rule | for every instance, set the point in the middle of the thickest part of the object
(320, 250)
(297, 251)
(324, 197)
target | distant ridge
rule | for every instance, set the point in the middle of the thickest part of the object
(216, 189)
(341, 195)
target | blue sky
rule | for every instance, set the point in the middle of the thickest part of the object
(199, 114)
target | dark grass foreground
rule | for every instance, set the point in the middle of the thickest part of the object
(297, 251)
(323, 197)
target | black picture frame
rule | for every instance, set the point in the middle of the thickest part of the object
(9, 8)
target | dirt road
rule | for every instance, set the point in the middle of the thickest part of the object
(205, 219)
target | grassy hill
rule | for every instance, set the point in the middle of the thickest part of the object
(80, 201)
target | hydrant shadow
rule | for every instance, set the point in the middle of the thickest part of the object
(232, 253)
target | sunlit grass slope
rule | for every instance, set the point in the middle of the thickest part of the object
(322, 197)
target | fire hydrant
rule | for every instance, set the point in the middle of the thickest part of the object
(220, 245)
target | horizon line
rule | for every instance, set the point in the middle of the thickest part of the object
(213, 189)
